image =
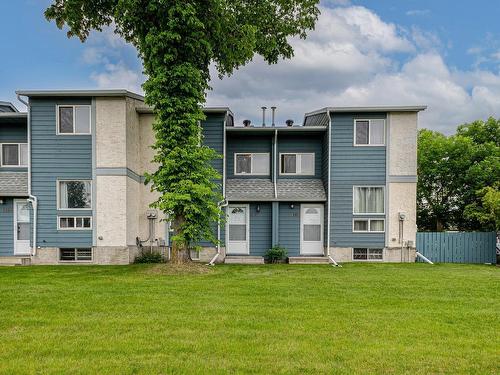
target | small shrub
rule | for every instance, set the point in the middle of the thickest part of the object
(149, 257)
(276, 254)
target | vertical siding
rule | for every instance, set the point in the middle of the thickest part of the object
(462, 247)
(260, 228)
(352, 166)
(247, 143)
(289, 228)
(57, 157)
(7, 227)
(302, 143)
(213, 137)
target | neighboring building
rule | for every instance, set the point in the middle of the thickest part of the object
(340, 186)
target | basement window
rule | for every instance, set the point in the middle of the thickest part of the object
(75, 254)
(367, 254)
(73, 119)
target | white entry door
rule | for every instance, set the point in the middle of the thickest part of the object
(238, 229)
(21, 227)
(311, 229)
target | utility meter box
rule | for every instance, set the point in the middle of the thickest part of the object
(152, 214)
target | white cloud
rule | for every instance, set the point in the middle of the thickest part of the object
(418, 12)
(353, 57)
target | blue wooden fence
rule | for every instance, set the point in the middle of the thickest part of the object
(458, 247)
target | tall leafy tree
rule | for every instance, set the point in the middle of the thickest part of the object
(452, 174)
(178, 40)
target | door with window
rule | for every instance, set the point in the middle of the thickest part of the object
(21, 227)
(311, 229)
(238, 230)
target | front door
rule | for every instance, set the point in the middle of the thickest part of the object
(238, 230)
(21, 227)
(311, 229)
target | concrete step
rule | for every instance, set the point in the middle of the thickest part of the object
(308, 260)
(15, 261)
(237, 259)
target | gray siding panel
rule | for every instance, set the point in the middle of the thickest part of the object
(289, 228)
(302, 143)
(7, 227)
(352, 166)
(57, 157)
(260, 229)
(213, 137)
(247, 143)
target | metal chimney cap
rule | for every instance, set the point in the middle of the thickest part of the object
(289, 122)
(246, 123)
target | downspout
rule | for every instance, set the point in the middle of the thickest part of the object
(275, 154)
(329, 184)
(31, 198)
(223, 202)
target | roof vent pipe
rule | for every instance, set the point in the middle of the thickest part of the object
(289, 122)
(264, 116)
(274, 112)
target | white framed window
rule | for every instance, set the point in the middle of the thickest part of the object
(297, 164)
(75, 254)
(368, 225)
(251, 163)
(14, 154)
(74, 195)
(74, 222)
(369, 132)
(73, 119)
(368, 200)
(367, 254)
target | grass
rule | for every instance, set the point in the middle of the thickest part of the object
(147, 319)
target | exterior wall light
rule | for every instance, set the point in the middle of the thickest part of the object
(291, 206)
(258, 208)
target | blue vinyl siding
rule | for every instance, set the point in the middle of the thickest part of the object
(7, 227)
(247, 143)
(213, 137)
(352, 166)
(260, 228)
(57, 157)
(289, 228)
(13, 133)
(297, 143)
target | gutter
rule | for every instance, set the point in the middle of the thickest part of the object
(328, 220)
(32, 199)
(223, 202)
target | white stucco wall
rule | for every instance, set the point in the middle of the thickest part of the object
(110, 132)
(402, 198)
(402, 144)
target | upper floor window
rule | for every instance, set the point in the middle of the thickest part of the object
(74, 194)
(251, 164)
(368, 200)
(297, 164)
(14, 155)
(73, 119)
(369, 132)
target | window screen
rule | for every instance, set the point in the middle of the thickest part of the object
(66, 120)
(362, 132)
(244, 163)
(260, 163)
(23, 154)
(10, 155)
(376, 225)
(307, 164)
(82, 119)
(377, 132)
(312, 232)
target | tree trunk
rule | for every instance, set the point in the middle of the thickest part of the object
(179, 253)
(439, 225)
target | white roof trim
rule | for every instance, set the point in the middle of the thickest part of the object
(45, 93)
(402, 108)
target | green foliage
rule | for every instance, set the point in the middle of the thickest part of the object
(451, 172)
(276, 254)
(149, 257)
(488, 211)
(178, 40)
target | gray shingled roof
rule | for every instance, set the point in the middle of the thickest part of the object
(13, 183)
(304, 190)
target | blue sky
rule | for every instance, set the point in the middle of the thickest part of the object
(445, 54)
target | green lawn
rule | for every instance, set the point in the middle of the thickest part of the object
(362, 318)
